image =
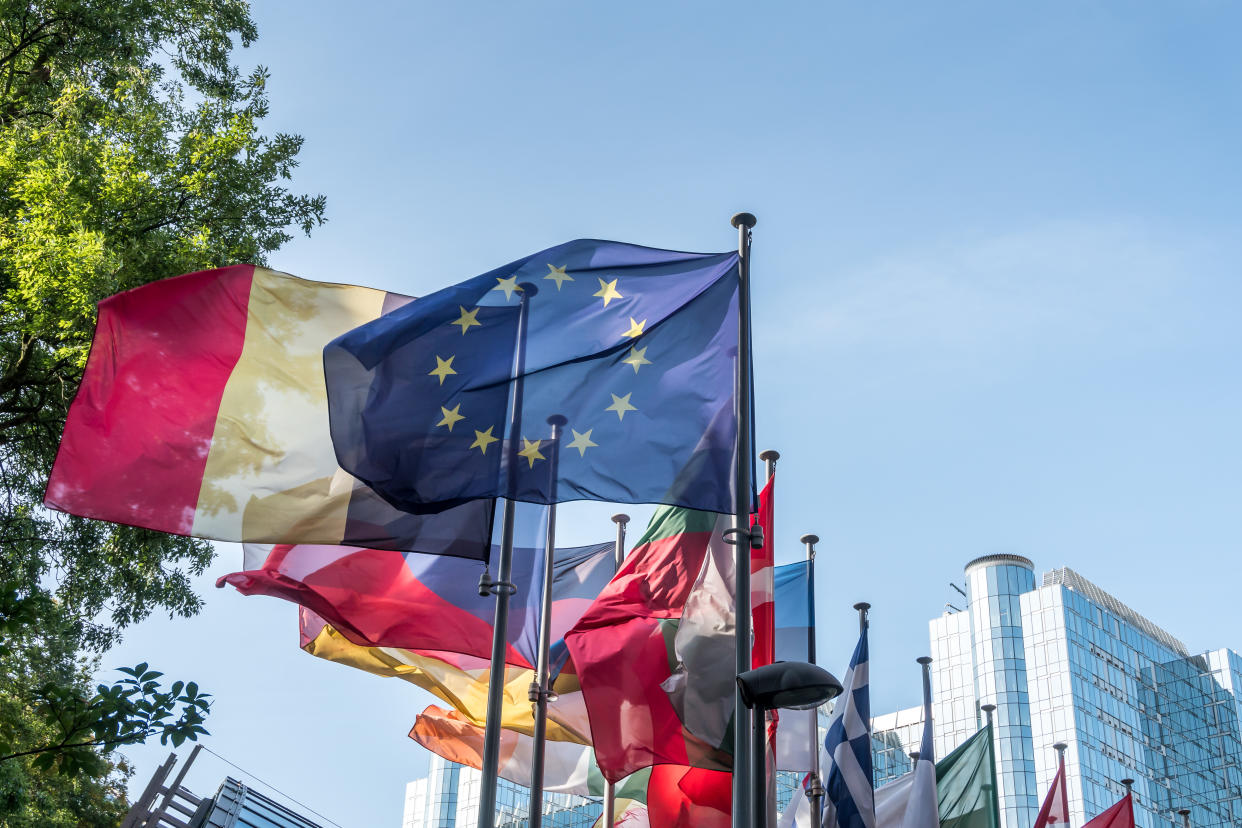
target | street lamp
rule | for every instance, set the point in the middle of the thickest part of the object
(784, 685)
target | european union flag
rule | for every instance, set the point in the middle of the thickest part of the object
(448, 398)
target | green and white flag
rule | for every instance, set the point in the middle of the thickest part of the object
(966, 784)
(965, 789)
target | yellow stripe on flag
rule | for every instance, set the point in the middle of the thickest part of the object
(271, 474)
(464, 690)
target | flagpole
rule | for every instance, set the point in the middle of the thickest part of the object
(618, 560)
(988, 710)
(741, 529)
(539, 692)
(815, 791)
(503, 587)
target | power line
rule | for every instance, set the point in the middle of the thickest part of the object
(271, 787)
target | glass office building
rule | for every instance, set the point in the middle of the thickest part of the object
(448, 797)
(1064, 661)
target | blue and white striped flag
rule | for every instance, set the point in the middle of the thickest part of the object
(849, 799)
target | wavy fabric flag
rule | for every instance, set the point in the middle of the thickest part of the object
(633, 345)
(1120, 815)
(568, 768)
(203, 412)
(377, 597)
(460, 681)
(655, 652)
(681, 797)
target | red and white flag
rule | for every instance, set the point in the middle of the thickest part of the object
(1055, 812)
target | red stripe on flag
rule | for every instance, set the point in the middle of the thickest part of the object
(373, 599)
(139, 430)
(679, 797)
(763, 610)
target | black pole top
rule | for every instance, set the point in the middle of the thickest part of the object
(743, 220)
(620, 517)
(1127, 783)
(862, 606)
(924, 660)
(1060, 747)
(770, 454)
(557, 420)
(811, 539)
(529, 288)
(987, 708)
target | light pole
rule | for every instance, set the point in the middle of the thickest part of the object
(786, 685)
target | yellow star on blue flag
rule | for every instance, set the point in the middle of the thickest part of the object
(641, 369)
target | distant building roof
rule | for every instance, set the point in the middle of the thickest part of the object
(237, 806)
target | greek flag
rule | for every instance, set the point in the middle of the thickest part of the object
(849, 799)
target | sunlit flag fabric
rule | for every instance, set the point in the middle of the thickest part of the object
(634, 346)
(686, 797)
(846, 757)
(965, 784)
(459, 681)
(378, 597)
(793, 618)
(648, 651)
(922, 809)
(1055, 810)
(203, 412)
(621, 648)
(1120, 815)
(569, 767)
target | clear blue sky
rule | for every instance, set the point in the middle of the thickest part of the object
(997, 293)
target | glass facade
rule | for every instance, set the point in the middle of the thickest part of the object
(448, 797)
(1064, 661)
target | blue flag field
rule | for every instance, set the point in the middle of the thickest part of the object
(634, 346)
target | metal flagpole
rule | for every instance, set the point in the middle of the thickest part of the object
(815, 791)
(765, 759)
(618, 560)
(503, 587)
(741, 536)
(539, 692)
(994, 793)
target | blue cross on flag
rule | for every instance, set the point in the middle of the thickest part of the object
(447, 399)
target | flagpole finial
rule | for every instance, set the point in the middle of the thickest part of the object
(924, 660)
(862, 607)
(769, 459)
(1184, 813)
(988, 710)
(621, 518)
(809, 540)
(1129, 783)
(557, 420)
(746, 220)
(1060, 747)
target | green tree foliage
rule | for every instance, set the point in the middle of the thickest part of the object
(130, 150)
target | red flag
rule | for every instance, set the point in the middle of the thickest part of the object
(762, 610)
(680, 797)
(1120, 815)
(623, 649)
(1056, 805)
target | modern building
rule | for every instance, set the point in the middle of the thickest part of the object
(1064, 661)
(448, 797)
(168, 804)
